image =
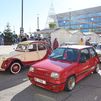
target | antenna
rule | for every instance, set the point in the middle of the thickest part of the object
(51, 16)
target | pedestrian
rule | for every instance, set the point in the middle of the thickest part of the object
(87, 42)
(81, 41)
(55, 44)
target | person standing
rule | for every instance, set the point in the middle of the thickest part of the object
(81, 41)
(87, 42)
(55, 44)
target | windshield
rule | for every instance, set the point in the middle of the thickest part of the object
(98, 47)
(67, 54)
(21, 47)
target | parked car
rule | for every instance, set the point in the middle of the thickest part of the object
(94, 44)
(64, 67)
(68, 43)
(98, 50)
(26, 53)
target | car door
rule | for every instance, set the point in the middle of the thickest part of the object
(42, 50)
(93, 60)
(84, 64)
(31, 54)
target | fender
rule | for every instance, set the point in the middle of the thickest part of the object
(6, 64)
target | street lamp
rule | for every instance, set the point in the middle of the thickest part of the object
(38, 23)
(80, 27)
(64, 22)
(92, 19)
(21, 28)
(69, 18)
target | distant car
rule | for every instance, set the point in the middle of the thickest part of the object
(68, 43)
(26, 53)
(98, 50)
(94, 44)
(64, 68)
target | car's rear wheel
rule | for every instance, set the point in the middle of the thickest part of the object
(15, 67)
(70, 83)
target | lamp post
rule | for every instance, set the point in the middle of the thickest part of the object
(80, 27)
(64, 22)
(21, 28)
(69, 18)
(38, 23)
(92, 19)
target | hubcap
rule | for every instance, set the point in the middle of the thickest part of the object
(71, 83)
(15, 68)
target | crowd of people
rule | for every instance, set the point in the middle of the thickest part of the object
(52, 45)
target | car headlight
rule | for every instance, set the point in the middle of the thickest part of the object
(54, 75)
(31, 69)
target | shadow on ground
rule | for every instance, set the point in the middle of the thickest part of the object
(88, 89)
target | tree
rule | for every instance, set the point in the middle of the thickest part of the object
(8, 35)
(52, 25)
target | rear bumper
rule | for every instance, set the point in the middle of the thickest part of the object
(49, 86)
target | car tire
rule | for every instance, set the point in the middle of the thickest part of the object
(97, 68)
(70, 83)
(15, 67)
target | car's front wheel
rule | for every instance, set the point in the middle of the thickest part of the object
(97, 68)
(70, 83)
(15, 67)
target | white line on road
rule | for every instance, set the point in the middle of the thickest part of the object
(8, 94)
(99, 72)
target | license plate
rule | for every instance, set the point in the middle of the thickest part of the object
(40, 80)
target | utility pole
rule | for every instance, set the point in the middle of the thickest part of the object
(38, 23)
(69, 18)
(21, 28)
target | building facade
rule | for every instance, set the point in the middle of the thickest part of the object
(84, 20)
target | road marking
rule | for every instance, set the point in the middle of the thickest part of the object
(8, 94)
(42, 97)
(99, 72)
(25, 79)
(96, 97)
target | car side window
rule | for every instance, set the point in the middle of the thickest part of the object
(92, 52)
(86, 53)
(41, 47)
(32, 47)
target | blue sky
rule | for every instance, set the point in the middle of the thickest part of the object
(10, 11)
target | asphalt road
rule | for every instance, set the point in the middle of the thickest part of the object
(18, 88)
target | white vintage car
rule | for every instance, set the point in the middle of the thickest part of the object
(25, 54)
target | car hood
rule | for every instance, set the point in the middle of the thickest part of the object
(11, 54)
(53, 65)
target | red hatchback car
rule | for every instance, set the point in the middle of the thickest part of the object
(64, 68)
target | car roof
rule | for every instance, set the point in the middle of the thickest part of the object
(31, 41)
(99, 43)
(76, 46)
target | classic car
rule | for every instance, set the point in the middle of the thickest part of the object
(64, 67)
(25, 54)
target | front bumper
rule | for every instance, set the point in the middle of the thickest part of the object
(49, 86)
(2, 69)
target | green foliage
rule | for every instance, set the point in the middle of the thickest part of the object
(8, 35)
(52, 25)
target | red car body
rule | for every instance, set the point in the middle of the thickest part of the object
(40, 74)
